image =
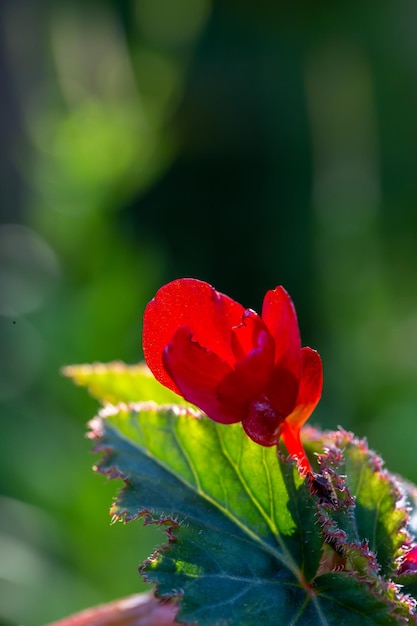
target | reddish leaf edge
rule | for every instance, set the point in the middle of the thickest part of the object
(330, 465)
(141, 609)
(352, 555)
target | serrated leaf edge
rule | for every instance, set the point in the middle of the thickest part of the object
(96, 433)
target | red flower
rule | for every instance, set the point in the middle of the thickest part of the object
(409, 564)
(234, 364)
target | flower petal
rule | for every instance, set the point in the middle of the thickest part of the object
(409, 563)
(197, 373)
(188, 302)
(291, 438)
(309, 392)
(262, 423)
(279, 315)
(282, 390)
(252, 372)
(245, 334)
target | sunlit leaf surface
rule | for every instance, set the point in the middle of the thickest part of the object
(245, 542)
(117, 382)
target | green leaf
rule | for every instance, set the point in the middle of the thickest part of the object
(116, 382)
(409, 491)
(346, 600)
(244, 542)
(376, 516)
(408, 575)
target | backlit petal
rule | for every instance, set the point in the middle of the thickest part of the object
(252, 372)
(310, 388)
(262, 423)
(282, 390)
(245, 334)
(197, 373)
(292, 441)
(279, 314)
(188, 302)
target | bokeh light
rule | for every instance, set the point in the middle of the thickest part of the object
(246, 144)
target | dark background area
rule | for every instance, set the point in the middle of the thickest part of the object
(246, 144)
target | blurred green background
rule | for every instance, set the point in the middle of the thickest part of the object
(246, 144)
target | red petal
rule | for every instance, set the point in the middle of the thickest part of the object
(409, 564)
(253, 371)
(197, 373)
(279, 314)
(262, 423)
(245, 334)
(309, 392)
(188, 302)
(292, 441)
(282, 390)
